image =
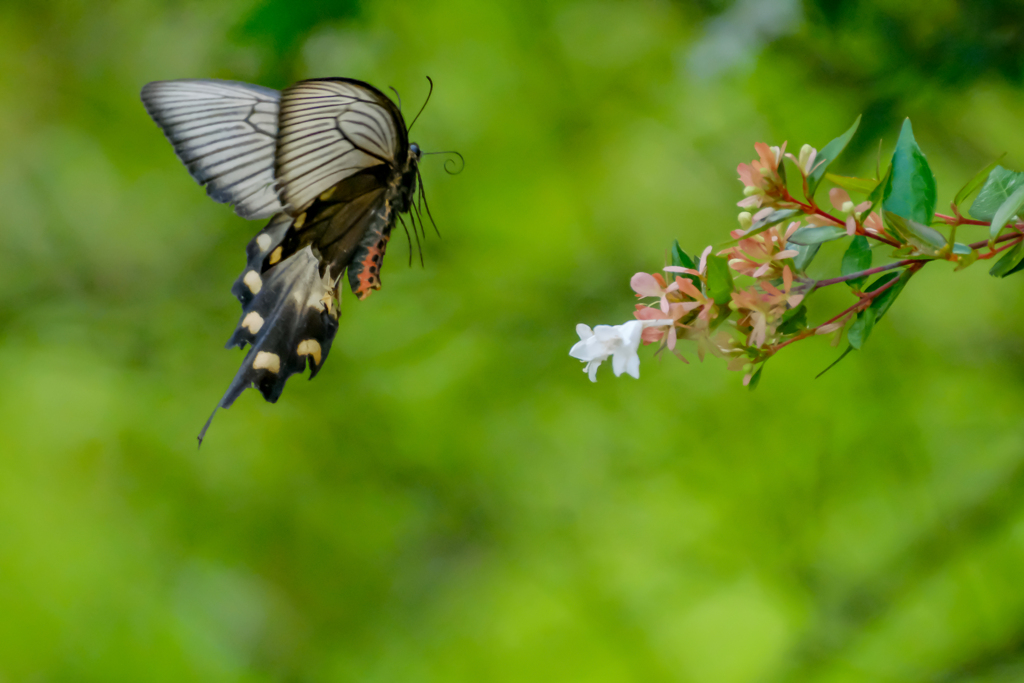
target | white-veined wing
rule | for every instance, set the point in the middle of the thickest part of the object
(330, 130)
(225, 133)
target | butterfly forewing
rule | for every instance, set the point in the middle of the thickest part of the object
(225, 133)
(329, 130)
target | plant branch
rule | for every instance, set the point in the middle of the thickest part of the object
(813, 209)
(870, 271)
(981, 244)
(960, 220)
(863, 302)
(1002, 248)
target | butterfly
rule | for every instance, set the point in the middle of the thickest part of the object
(329, 162)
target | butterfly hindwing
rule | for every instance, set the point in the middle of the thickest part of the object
(225, 132)
(257, 251)
(337, 226)
(290, 318)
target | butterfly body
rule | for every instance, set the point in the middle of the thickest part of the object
(330, 163)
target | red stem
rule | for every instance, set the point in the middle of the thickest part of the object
(1002, 248)
(864, 273)
(960, 220)
(983, 243)
(813, 209)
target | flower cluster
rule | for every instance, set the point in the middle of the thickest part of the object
(762, 255)
(747, 299)
(761, 180)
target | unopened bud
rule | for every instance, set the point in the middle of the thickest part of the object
(847, 207)
(806, 157)
(745, 219)
(751, 190)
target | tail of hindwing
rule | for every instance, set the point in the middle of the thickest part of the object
(289, 317)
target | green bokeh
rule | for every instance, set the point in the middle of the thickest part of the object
(451, 499)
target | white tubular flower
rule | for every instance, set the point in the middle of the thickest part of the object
(618, 341)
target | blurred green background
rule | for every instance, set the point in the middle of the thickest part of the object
(452, 500)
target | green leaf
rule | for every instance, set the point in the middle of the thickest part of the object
(1016, 269)
(927, 240)
(793, 320)
(961, 248)
(1010, 260)
(809, 236)
(719, 277)
(753, 384)
(1007, 210)
(835, 362)
(976, 182)
(856, 259)
(806, 255)
(911, 190)
(851, 184)
(829, 153)
(774, 218)
(682, 259)
(884, 300)
(861, 328)
(1001, 183)
(876, 194)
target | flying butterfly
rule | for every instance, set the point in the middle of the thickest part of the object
(329, 162)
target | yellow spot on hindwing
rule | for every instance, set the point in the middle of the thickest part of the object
(300, 221)
(253, 282)
(263, 242)
(276, 255)
(324, 196)
(253, 322)
(310, 347)
(267, 361)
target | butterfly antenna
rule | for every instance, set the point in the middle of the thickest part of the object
(447, 170)
(429, 93)
(398, 96)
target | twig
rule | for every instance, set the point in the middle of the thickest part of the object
(864, 273)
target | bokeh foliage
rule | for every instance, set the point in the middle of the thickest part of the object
(451, 500)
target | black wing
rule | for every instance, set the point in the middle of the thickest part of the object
(288, 316)
(225, 133)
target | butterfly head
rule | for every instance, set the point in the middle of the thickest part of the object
(407, 184)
